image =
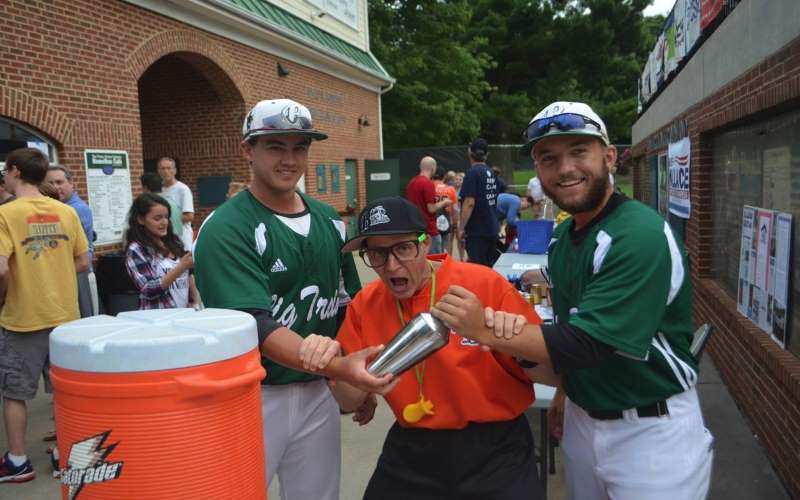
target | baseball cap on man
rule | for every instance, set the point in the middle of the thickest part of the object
(479, 149)
(384, 217)
(280, 116)
(564, 118)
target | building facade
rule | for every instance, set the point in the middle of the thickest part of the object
(142, 79)
(736, 102)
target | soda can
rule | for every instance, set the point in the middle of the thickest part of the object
(536, 295)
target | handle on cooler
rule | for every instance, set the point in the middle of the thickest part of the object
(199, 386)
(106, 390)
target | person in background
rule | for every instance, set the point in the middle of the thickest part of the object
(152, 183)
(5, 196)
(60, 178)
(458, 181)
(479, 225)
(180, 193)
(155, 257)
(502, 187)
(234, 188)
(445, 219)
(422, 193)
(42, 248)
(509, 206)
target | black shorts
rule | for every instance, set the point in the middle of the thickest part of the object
(482, 461)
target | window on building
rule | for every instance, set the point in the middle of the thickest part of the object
(14, 136)
(759, 165)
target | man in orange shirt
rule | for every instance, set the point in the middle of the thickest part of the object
(469, 438)
(445, 222)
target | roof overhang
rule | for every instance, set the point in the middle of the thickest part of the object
(228, 21)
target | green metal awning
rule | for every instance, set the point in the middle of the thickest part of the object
(275, 15)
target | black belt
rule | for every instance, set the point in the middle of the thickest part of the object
(654, 410)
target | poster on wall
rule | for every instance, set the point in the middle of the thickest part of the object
(679, 154)
(692, 22)
(765, 270)
(108, 183)
(780, 302)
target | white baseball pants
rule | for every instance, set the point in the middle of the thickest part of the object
(633, 458)
(302, 441)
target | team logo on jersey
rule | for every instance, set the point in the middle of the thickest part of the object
(87, 464)
(376, 216)
(278, 266)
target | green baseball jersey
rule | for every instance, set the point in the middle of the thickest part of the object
(247, 257)
(623, 279)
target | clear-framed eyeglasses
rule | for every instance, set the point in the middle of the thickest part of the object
(403, 251)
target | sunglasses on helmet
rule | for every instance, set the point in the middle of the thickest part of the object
(564, 122)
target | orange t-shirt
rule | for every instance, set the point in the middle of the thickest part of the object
(444, 191)
(464, 383)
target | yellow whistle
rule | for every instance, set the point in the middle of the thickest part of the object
(414, 412)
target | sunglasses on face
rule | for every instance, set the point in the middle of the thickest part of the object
(564, 122)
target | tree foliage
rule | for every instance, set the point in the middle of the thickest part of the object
(487, 66)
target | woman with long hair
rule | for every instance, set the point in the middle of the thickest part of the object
(155, 258)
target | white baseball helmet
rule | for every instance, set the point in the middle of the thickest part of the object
(564, 118)
(280, 116)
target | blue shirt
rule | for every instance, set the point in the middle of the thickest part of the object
(85, 215)
(480, 183)
(508, 208)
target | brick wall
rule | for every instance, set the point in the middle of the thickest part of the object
(92, 74)
(764, 379)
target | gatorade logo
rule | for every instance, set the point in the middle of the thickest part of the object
(86, 464)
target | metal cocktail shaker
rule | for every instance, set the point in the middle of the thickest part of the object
(420, 338)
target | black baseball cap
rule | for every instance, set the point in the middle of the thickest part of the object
(479, 148)
(386, 216)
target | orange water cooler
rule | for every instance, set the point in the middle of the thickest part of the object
(160, 404)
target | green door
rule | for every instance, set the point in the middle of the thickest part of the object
(383, 179)
(351, 194)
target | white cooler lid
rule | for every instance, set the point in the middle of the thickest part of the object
(156, 339)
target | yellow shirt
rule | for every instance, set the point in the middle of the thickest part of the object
(41, 237)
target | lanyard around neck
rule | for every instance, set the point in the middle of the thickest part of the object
(419, 370)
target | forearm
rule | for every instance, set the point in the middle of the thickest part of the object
(82, 262)
(283, 347)
(187, 216)
(466, 211)
(168, 279)
(348, 397)
(194, 293)
(529, 344)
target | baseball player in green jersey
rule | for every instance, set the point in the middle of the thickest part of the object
(276, 253)
(622, 299)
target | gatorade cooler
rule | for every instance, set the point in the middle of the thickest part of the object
(159, 404)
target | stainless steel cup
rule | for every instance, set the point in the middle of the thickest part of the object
(420, 338)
